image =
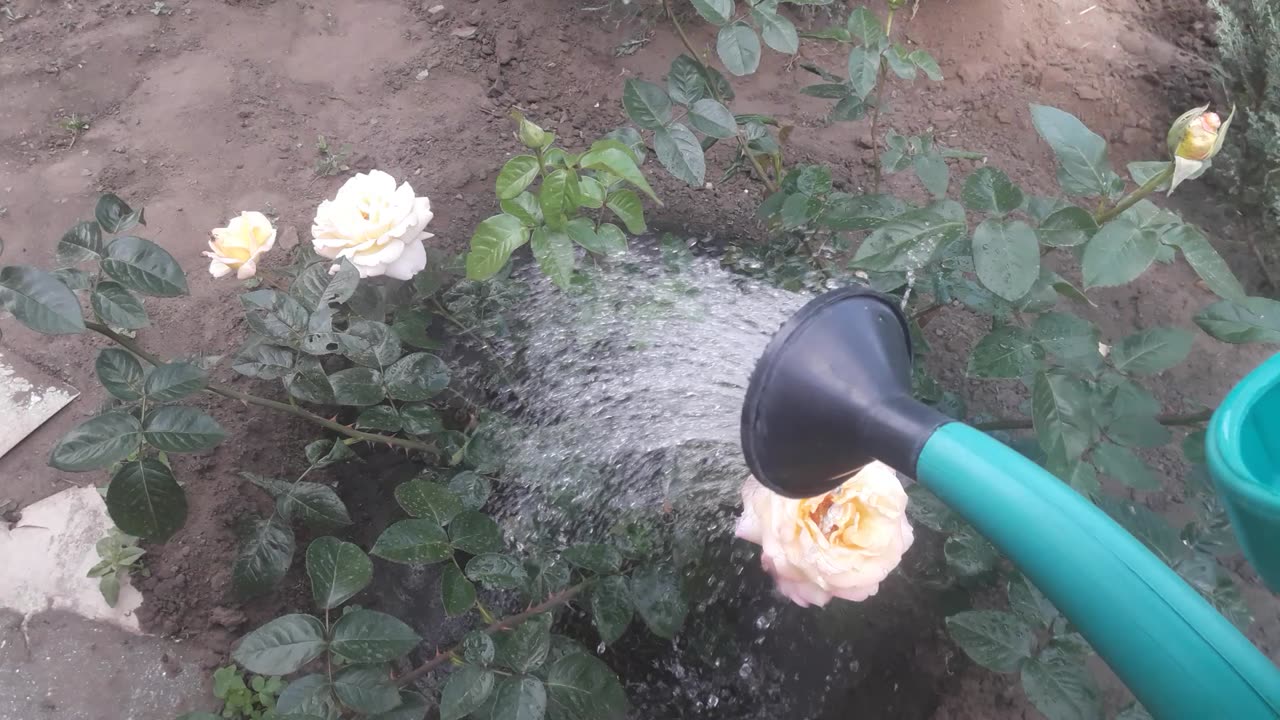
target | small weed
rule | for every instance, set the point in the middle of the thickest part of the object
(119, 555)
(329, 160)
(255, 700)
(160, 8)
(75, 126)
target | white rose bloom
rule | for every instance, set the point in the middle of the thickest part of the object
(238, 245)
(375, 225)
(841, 544)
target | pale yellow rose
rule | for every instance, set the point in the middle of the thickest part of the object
(374, 224)
(1199, 137)
(841, 544)
(238, 245)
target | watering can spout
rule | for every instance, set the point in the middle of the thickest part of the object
(832, 392)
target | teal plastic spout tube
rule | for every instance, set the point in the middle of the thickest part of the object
(1181, 659)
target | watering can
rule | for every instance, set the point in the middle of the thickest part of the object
(832, 392)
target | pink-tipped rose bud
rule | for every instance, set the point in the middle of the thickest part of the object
(1199, 138)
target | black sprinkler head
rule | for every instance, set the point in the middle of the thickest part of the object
(831, 393)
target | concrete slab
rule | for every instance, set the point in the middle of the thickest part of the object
(28, 398)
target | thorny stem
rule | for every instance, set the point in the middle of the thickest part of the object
(715, 92)
(1194, 418)
(1132, 198)
(250, 399)
(875, 110)
(506, 623)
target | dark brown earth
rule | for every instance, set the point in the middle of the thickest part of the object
(216, 109)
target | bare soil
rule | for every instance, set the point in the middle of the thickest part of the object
(216, 108)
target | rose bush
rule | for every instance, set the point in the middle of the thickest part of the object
(238, 245)
(841, 544)
(376, 225)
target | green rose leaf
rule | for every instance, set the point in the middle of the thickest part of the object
(558, 197)
(969, 555)
(738, 48)
(1071, 339)
(685, 81)
(367, 636)
(40, 301)
(120, 373)
(418, 376)
(990, 190)
(864, 67)
(456, 591)
(308, 382)
(80, 243)
(144, 266)
(413, 542)
(263, 361)
(865, 26)
(583, 232)
(74, 278)
(358, 386)
(478, 648)
(1006, 256)
(1060, 412)
(115, 215)
(1257, 319)
(282, 646)
(117, 307)
(316, 505)
(492, 244)
(849, 108)
(525, 648)
(926, 63)
(590, 192)
(317, 288)
(433, 501)
(338, 570)
(594, 557)
(263, 557)
(370, 343)
(97, 443)
(827, 91)
(925, 508)
(306, 698)
(1118, 253)
(181, 429)
(145, 500)
(996, 640)
(1206, 261)
(1027, 601)
(611, 608)
(525, 208)
(1006, 352)
(472, 489)
(680, 153)
(1067, 227)
(498, 571)
(174, 381)
(554, 252)
(1143, 171)
(859, 212)
(657, 596)
(907, 242)
(626, 205)
(1123, 465)
(582, 687)
(778, 32)
(420, 419)
(932, 170)
(899, 63)
(1060, 685)
(466, 691)
(617, 162)
(646, 104)
(713, 119)
(519, 698)
(1083, 168)
(475, 532)
(366, 688)
(716, 12)
(516, 175)
(1151, 351)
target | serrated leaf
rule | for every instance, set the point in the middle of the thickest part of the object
(467, 689)
(367, 636)
(680, 153)
(282, 646)
(97, 443)
(1026, 600)
(558, 198)
(366, 688)
(181, 429)
(338, 570)
(896, 57)
(1060, 685)
(117, 307)
(316, 287)
(969, 555)
(582, 687)
(657, 596)
(1151, 351)
(1083, 168)
(1006, 256)
(413, 542)
(358, 386)
(457, 593)
(927, 509)
(864, 25)
(472, 489)
(1006, 352)
(907, 242)
(827, 91)
(80, 243)
(1123, 465)
(1060, 410)
(515, 176)
(525, 208)
(417, 376)
(492, 243)
(933, 172)
(1257, 319)
(926, 63)
(316, 505)
(174, 381)
(115, 215)
(864, 68)
(646, 104)
(620, 163)
(40, 301)
(859, 212)
(990, 190)
(685, 81)
(1206, 261)
(120, 373)
(1067, 227)
(74, 278)
(594, 557)
(475, 532)
(519, 698)
(308, 382)
(144, 266)
(433, 501)
(306, 698)
(497, 571)
(379, 417)
(370, 343)
(778, 32)
(713, 119)
(738, 48)
(611, 608)
(263, 558)
(525, 647)
(144, 500)
(553, 251)
(1117, 254)
(996, 640)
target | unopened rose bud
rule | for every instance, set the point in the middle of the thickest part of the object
(1194, 138)
(1199, 137)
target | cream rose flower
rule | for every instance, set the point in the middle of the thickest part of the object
(1194, 139)
(841, 544)
(377, 226)
(238, 245)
